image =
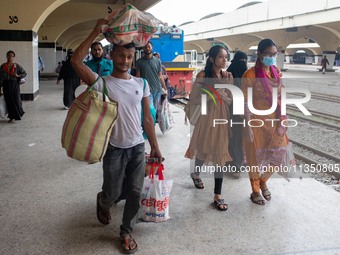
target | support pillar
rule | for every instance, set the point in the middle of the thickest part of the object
(64, 54)
(47, 52)
(331, 57)
(280, 59)
(59, 54)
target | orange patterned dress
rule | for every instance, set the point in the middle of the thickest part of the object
(268, 147)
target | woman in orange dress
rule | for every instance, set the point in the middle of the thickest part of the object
(264, 137)
(209, 144)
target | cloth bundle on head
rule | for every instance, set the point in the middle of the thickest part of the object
(128, 24)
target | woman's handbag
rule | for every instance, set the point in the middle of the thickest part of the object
(21, 81)
(88, 125)
(3, 107)
(155, 196)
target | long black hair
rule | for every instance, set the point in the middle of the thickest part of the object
(264, 44)
(261, 47)
(213, 52)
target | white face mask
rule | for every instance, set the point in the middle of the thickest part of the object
(269, 61)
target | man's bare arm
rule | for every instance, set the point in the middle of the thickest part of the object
(83, 71)
(149, 127)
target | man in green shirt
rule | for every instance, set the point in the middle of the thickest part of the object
(149, 67)
(98, 63)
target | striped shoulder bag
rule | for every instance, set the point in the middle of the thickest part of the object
(88, 125)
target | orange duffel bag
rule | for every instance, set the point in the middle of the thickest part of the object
(88, 125)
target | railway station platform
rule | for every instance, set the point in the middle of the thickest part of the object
(48, 201)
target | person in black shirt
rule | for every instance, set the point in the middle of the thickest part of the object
(237, 67)
(71, 81)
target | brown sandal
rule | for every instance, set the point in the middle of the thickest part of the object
(197, 181)
(221, 205)
(257, 198)
(129, 244)
(103, 215)
(266, 194)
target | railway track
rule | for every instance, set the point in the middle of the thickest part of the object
(312, 161)
(320, 96)
(308, 119)
(333, 171)
(324, 95)
(317, 113)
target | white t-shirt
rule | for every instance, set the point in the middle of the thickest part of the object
(127, 132)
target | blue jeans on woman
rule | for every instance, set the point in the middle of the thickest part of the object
(155, 98)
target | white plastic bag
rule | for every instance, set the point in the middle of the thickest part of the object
(155, 197)
(290, 158)
(3, 107)
(164, 116)
(289, 167)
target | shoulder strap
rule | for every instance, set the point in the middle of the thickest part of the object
(144, 81)
(92, 85)
(105, 91)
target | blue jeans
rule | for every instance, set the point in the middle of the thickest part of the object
(119, 164)
(155, 98)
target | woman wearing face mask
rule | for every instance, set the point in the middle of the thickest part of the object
(264, 138)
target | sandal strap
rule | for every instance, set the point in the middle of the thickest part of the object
(220, 202)
(198, 180)
(266, 192)
(221, 205)
(257, 197)
(129, 241)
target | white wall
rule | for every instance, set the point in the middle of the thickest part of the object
(49, 57)
(59, 57)
(26, 53)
